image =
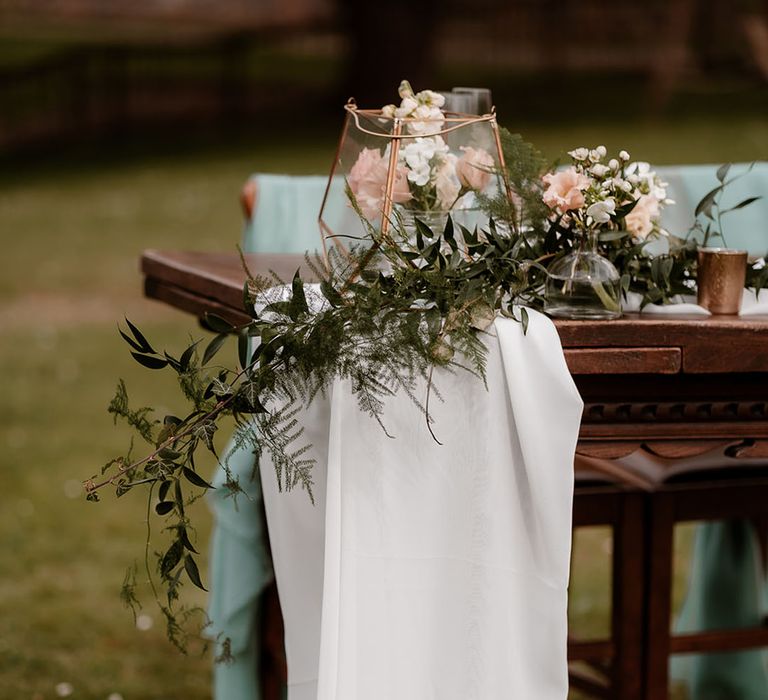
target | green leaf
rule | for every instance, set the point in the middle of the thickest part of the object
(612, 235)
(145, 346)
(217, 323)
(625, 282)
(185, 540)
(171, 558)
(707, 201)
(334, 298)
(298, 304)
(164, 507)
(744, 203)
(242, 348)
(250, 392)
(524, 319)
(192, 571)
(213, 347)
(205, 431)
(195, 478)
(149, 361)
(722, 171)
(131, 341)
(163, 490)
(187, 356)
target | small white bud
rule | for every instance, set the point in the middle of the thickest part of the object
(624, 155)
(601, 151)
(613, 164)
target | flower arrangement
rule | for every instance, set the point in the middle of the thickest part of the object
(430, 176)
(595, 195)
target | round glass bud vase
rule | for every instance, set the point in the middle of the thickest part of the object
(583, 285)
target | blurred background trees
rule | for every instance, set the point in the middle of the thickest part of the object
(86, 69)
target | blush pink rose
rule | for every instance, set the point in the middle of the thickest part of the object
(642, 217)
(474, 168)
(565, 191)
(368, 182)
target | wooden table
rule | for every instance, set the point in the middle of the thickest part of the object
(665, 397)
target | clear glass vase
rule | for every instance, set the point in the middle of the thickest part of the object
(434, 219)
(583, 284)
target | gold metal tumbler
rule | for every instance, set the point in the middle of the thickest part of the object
(720, 279)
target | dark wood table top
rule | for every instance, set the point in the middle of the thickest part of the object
(197, 282)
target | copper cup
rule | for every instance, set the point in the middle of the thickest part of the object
(720, 279)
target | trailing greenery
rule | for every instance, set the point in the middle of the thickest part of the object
(381, 318)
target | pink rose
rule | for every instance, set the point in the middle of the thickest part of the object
(565, 191)
(474, 168)
(368, 182)
(642, 217)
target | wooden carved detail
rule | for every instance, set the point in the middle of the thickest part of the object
(675, 412)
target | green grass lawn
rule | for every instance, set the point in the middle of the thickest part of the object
(72, 230)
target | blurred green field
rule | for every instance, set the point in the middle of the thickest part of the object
(73, 226)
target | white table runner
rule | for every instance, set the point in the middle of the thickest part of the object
(435, 572)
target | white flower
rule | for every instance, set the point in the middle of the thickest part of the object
(599, 170)
(633, 179)
(418, 155)
(405, 89)
(406, 108)
(579, 153)
(431, 98)
(601, 151)
(624, 155)
(601, 212)
(759, 264)
(388, 111)
(594, 156)
(613, 164)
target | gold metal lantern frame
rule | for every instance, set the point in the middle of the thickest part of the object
(383, 143)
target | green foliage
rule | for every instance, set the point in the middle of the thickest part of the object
(708, 215)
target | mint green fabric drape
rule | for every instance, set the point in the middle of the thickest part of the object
(727, 587)
(284, 221)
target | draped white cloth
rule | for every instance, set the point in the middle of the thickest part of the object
(427, 571)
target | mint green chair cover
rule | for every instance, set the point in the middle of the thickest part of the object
(727, 586)
(746, 229)
(284, 221)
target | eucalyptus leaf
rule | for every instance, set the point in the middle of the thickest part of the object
(192, 571)
(722, 171)
(217, 323)
(195, 478)
(142, 341)
(149, 361)
(213, 347)
(164, 507)
(171, 558)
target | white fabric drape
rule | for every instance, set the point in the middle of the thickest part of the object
(427, 571)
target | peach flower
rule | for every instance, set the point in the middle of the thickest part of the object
(641, 219)
(565, 191)
(368, 182)
(473, 168)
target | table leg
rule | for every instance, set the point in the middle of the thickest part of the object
(659, 596)
(628, 598)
